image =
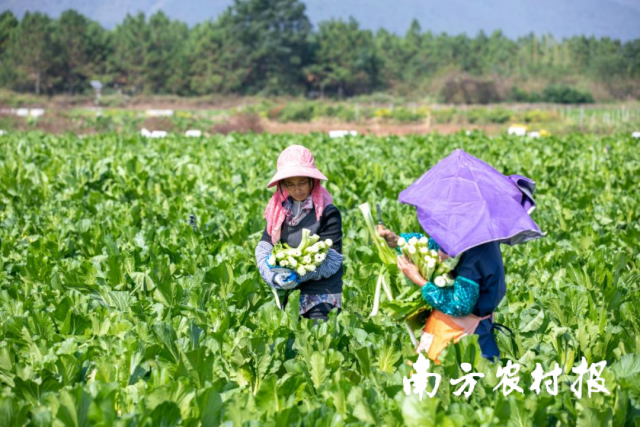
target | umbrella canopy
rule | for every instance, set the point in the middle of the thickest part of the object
(463, 202)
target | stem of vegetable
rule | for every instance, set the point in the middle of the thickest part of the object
(385, 285)
(411, 334)
(376, 296)
(275, 295)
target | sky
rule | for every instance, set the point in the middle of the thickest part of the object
(618, 19)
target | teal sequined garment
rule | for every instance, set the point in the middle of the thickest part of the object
(457, 300)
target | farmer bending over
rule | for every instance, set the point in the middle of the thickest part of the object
(469, 208)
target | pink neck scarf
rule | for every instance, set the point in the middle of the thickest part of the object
(276, 213)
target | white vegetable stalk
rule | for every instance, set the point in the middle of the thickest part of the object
(376, 296)
(428, 260)
(447, 265)
(443, 281)
(385, 287)
(429, 267)
(440, 282)
(412, 336)
(312, 249)
(275, 295)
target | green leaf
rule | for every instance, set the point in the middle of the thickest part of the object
(520, 415)
(317, 370)
(74, 408)
(210, 405)
(387, 358)
(534, 324)
(142, 281)
(12, 413)
(168, 338)
(628, 366)
(166, 414)
(590, 417)
(267, 396)
(362, 354)
(34, 391)
(418, 413)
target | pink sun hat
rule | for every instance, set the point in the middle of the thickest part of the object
(296, 160)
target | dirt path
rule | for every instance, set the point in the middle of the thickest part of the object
(378, 129)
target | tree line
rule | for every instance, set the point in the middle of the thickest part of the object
(269, 47)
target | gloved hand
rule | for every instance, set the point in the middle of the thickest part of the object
(287, 280)
(284, 278)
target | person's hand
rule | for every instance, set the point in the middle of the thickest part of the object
(287, 280)
(410, 270)
(442, 256)
(389, 236)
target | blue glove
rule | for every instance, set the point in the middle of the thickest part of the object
(266, 261)
(287, 280)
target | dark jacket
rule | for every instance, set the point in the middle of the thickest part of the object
(483, 264)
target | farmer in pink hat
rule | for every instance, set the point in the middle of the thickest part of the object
(300, 201)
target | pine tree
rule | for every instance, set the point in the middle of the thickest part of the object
(31, 50)
(83, 46)
(130, 42)
(346, 59)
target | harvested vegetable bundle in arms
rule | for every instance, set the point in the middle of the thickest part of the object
(309, 254)
(428, 261)
(410, 306)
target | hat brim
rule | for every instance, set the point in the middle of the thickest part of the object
(290, 172)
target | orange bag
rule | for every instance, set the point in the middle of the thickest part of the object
(441, 329)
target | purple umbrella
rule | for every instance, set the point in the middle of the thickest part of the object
(463, 202)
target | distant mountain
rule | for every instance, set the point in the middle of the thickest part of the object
(619, 19)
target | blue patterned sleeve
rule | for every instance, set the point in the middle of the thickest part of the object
(433, 245)
(407, 236)
(328, 268)
(263, 251)
(457, 300)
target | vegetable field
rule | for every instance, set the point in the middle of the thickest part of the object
(115, 309)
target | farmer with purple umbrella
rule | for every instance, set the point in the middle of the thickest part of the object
(467, 208)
